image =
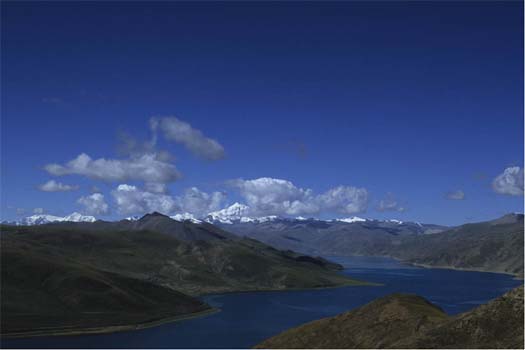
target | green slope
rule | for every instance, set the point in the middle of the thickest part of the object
(42, 290)
(411, 322)
(81, 275)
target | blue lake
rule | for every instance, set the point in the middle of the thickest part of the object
(248, 318)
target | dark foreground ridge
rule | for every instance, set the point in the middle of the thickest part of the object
(410, 321)
(96, 277)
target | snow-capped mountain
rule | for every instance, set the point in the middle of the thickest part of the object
(234, 212)
(186, 217)
(351, 219)
(45, 219)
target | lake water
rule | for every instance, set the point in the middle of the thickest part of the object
(248, 318)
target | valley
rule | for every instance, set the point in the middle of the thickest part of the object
(492, 246)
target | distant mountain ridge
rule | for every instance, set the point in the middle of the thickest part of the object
(41, 219)
(495, 246)
(233, 214)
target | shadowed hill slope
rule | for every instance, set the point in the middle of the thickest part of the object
(409, 321)
(42, 290)
(488, 246)
(87, 275)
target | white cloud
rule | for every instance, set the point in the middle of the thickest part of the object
(132, 200)
(38, 211)
(345, 200)
(269, 196)
(54, 186)
(145, 167)
(510, 182)
(455, 195)
(389, 203)
(94, 204)
(200, 203)
(193, 139)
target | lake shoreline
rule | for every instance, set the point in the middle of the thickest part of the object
(516, 276)
(64, 332)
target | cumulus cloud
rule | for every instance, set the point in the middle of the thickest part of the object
(94, 204)
(269, 196)
(389, 203)
(38, 211)
(132, 200)
(193, 139)
(455, 195)
(345, 200)
(510, 182)
(145, 167)
(200, 203)
(54, 186)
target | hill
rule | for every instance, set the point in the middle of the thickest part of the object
(42, 290)
(495, 246)
(409, 321)
(99, 274)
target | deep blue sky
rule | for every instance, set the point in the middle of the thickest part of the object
(411, 98)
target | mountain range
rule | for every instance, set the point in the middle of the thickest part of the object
(67, 277)
(495, 245)
(488, 246)
(234, 214)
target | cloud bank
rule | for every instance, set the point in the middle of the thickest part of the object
(200, 203)
(149, 168)
(54, 186)
(133, 200)
(269, 196)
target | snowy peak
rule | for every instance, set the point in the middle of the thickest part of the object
(186, 217)
(77, 217)
(234, 212)
(351, 219)
(46, 219)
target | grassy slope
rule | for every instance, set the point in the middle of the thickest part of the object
(481, 246)
(55, 276)
(498, 324)
(41, 290)
(375, 325)
(409, 321)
